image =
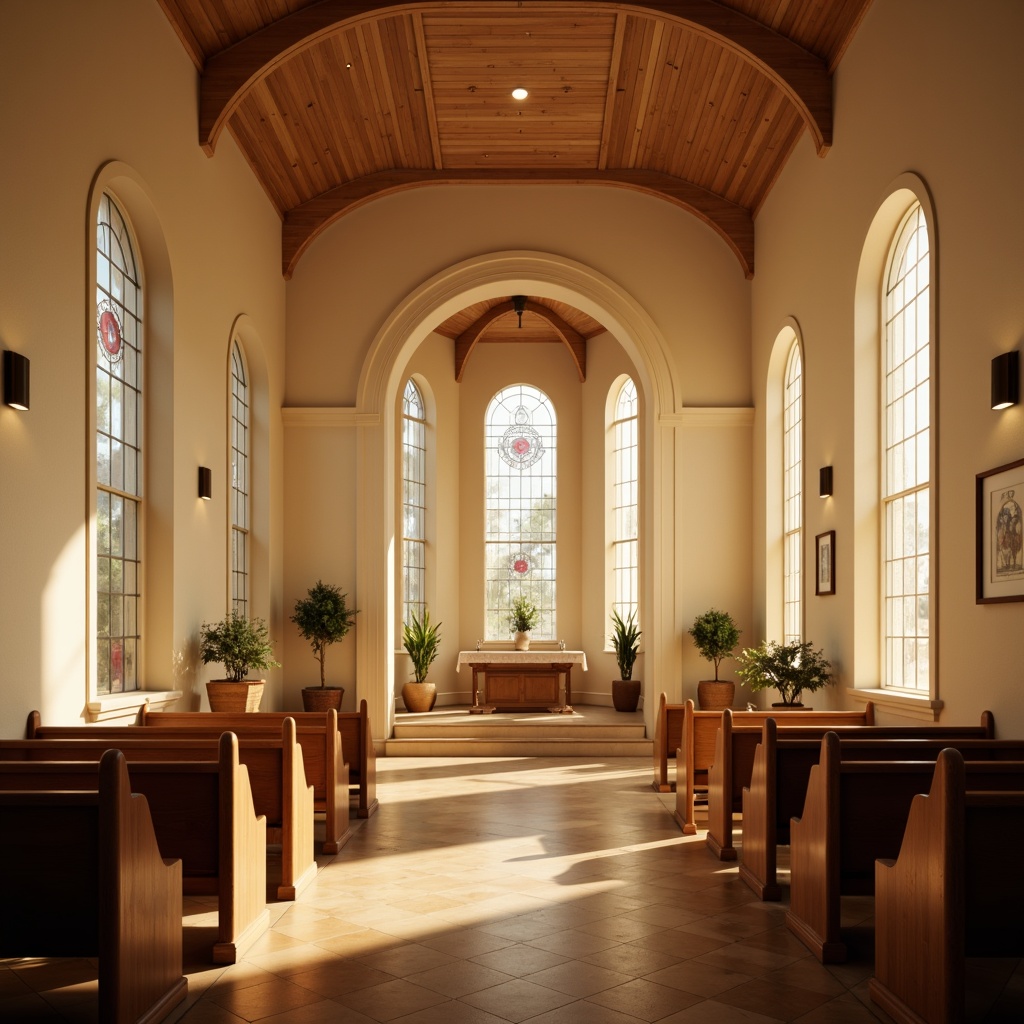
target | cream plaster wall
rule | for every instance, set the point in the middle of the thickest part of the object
(82, 85)
(923, 89)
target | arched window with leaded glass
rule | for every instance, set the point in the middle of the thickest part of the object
(414, 501)
(792, 497)
(520, 508)
(119, 454)
(240, 477)
(624, 508)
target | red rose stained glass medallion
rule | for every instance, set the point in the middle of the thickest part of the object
(108, 331)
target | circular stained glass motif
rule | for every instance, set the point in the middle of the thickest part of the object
(519, 565)
(108, 331)
(521, 446)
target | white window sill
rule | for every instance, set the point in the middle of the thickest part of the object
(908, 706)
(115, 706)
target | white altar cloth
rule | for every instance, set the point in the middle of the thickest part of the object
(522, 658)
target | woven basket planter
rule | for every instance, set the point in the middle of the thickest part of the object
(322, 698)
(228, 695)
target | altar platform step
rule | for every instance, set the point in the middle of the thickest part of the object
(453, 732)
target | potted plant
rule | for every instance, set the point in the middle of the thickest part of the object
(715, 635)
(241, 645)
(323, 618)
(789, 668)
(421, 639)
(523, 617)
(625, 639)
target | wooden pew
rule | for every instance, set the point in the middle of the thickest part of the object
(353, 728)
(700, 729)
(276, 776)
(943, 899)
(782, 767)
(84, 877)
(855, 813)
(732, 767)
(202, 814)
(317, 734)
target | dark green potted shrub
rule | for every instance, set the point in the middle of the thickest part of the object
(625, 639)
(242, 646)
(789, 668)
(323, 618)
(523, 617)
(421, 639)
(715, 635)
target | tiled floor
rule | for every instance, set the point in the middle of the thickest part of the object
(484, 891)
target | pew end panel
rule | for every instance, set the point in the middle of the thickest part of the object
(759, 866)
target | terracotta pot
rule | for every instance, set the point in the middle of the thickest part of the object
(322, 698)
(522, 641)
(715, 694)
(232, 695)
(419, 696)
(625, 694)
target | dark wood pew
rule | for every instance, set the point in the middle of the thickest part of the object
(943, 899)
(317, 734)
(276, 777)
(856, 812)
(782, 767)
(202, 814)
(700, 729)
(84, 877)
(353, 728)
(732, 767)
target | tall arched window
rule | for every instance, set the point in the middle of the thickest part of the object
(119, 466)
(792, 498)
(239, 481)
(906, 460)
(625, 532)
(520, 528)
(414, 500)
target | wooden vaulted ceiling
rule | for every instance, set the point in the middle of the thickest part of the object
(337, 102)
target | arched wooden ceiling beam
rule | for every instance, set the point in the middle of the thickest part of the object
(229, 74)
(468, 339)
(303, 223)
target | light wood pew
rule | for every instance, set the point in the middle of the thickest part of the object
(855, 813)
(696, 754)
(735, 746)
(276, 776)
(84, 877)
(782, 767)
(202, 814)
(353, 728)
(943, 899)
(317, 734)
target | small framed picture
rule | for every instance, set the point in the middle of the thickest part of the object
(825, 562)
(999, 495)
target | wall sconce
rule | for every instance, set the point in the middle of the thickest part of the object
(519, 307)
(16, 378)
(1006, 380)
(205, 483)
(825, 482)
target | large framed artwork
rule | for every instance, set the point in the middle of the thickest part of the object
(825, 562)
(999, 494)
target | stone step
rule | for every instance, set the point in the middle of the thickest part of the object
(489, 746)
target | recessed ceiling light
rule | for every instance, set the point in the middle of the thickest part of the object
(519, 93)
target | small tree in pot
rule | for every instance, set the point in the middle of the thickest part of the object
(523, 617)
(323, 618)
(625, 639)
(241, 645)
(715, 635)
(421, 639)
(789, 668)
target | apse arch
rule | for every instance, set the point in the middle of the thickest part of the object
(480, 278)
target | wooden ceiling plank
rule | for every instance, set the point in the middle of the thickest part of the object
(428, 89)
(648, 75)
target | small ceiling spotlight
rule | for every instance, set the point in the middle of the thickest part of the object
(519, 93)
(519, 306)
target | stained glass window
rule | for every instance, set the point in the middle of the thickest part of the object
(520, 521)
(119, 434)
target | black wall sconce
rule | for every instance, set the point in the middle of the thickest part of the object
(205, 483)
(825, 482)
(1006, 380)
(519, 307)
(16, 380)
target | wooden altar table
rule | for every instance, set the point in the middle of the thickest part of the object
(521, 680)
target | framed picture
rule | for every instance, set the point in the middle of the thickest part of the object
(825, 562)
(1000, 534)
